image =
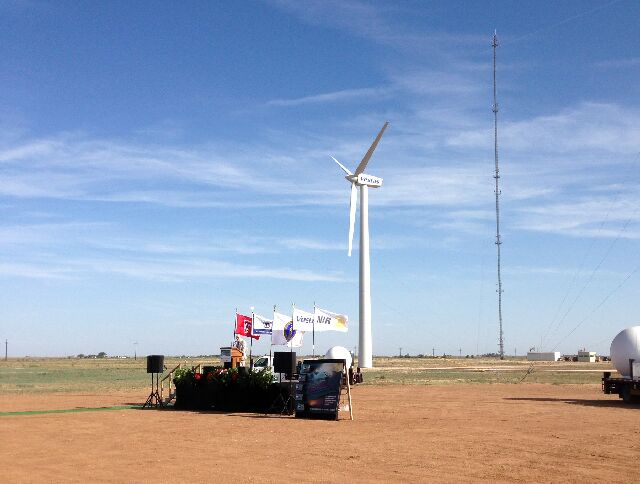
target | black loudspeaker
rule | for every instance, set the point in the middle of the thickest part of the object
(284, 362)
(243, 371)
(155, 363)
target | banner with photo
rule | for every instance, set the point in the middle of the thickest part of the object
(283, 333)
(328, 321)
(302, 320)
(318, 388)
(261, 325)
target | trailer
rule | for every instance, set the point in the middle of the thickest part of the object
(627, 387)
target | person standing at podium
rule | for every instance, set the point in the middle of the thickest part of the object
(239, 344)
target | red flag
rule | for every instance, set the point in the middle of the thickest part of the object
(243, 326)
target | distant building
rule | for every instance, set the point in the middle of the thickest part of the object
(586, 356)
(543, 356)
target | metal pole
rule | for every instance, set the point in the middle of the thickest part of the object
(365, 358)
(497, 191)
(6, 349)
(313, 331)
(251, 342)
(271, 345)
(235, 324)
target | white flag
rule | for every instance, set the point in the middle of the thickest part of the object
(328, 321)
(261, 325)
(283, 333)
(302, 320)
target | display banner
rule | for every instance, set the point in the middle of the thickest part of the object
(261, 325)
(318, 389)
(283, 333)
(328, 321)
(302, 320)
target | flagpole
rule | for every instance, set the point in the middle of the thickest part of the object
(313, 331)
(293, 327)
(271, 345)
(235, 325)
(251, 342)
(293, 330)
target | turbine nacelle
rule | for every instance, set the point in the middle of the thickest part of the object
(369, 180)
(364, 179)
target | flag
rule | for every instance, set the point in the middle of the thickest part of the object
(328, 321)
(243, 326)
(302, 320)
(283, 333)
(261, 325)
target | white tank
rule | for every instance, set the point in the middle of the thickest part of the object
(625, 346)
(339, 353)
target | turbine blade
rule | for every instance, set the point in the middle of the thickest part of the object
(365, 160)
(352, 215)
(342, 166)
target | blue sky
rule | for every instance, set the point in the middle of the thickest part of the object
(163, 164)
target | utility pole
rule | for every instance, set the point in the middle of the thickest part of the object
(494, 44)
(433, 352)
(135, 350)
(400, 352)
(460, 351)
(6, 350)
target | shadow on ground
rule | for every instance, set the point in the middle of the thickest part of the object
(574, 401)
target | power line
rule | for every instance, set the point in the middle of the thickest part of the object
(578, 272)
(561, 22)
(595, 270)
(606, 255)
(606, 298)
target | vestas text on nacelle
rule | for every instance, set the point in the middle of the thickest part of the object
(369, 180)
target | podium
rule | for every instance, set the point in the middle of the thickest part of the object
(231, 356)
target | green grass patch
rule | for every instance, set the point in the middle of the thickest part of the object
(74, 375)
(69, 410)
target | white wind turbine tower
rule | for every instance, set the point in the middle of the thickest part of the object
(358, 179)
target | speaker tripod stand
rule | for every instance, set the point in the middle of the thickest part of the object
(287, 404)
(154, 399)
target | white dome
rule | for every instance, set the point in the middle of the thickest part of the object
(625, 346)
(339, 353)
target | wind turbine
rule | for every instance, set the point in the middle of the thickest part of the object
(360, 180)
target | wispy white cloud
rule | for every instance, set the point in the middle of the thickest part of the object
(619, 63)
(35, 271)
(431, 157)
(164, 270)
(593, 216)
(177, 270)
(355, 16)
(436, 82)
(607, 128)
(380, 23)
(331, 97)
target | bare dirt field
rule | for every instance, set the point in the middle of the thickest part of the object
(442, 433)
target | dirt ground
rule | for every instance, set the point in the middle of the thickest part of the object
(445, 433)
